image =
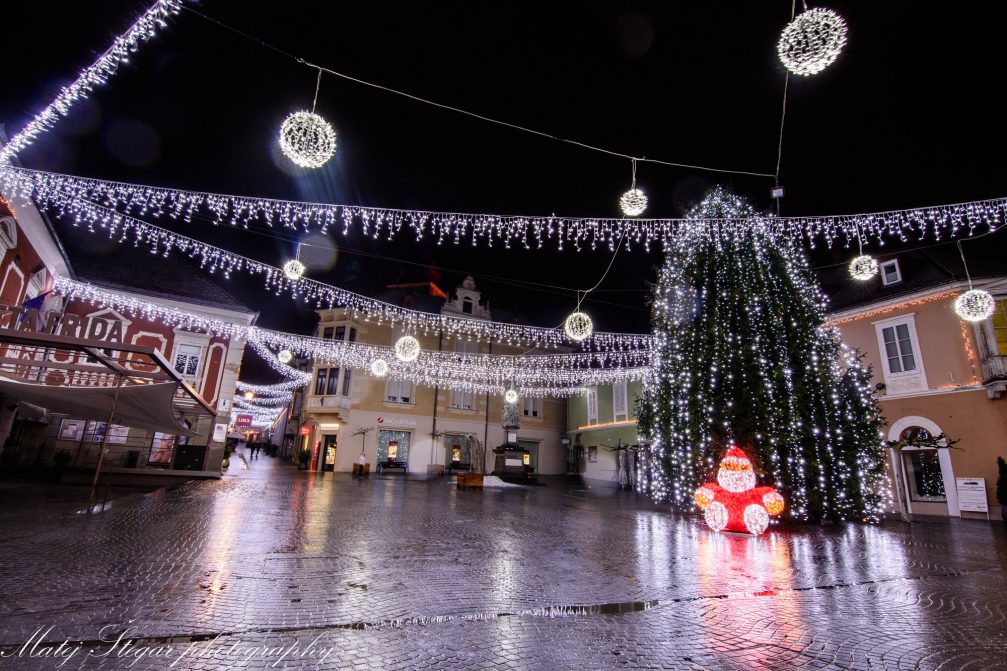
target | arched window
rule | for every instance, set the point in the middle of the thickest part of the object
(467, 305)
(923, 467)
(8, 234)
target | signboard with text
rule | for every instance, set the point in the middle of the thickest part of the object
(972, 495)
(243, 421)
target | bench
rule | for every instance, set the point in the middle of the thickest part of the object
(391, 465)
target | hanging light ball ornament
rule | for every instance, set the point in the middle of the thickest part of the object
(974, 305)
(812, 41)
(510, 396)
(863, 268)
(307, 139)
(285, 356)
(578, 326)
(379, 367)
(407, 348)
(633, 203)
(293, 269)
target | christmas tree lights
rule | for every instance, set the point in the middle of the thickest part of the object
(740, 354)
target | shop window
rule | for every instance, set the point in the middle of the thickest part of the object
(393, 446)
(458, 448)
(187, 360)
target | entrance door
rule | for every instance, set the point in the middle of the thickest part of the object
(393, 446)
(928, 477)
(531, 459)
(329, 450)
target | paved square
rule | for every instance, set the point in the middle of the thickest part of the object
(394, 574)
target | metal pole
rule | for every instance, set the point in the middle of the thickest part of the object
(104, 441)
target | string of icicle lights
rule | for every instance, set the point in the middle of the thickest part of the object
(82, 196)
(540, 375)
(123, 228)
(143, 29)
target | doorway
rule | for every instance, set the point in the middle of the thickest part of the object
(926, 472)
(329, 444)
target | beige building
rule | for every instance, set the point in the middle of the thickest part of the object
(345, 412)
(933, 372)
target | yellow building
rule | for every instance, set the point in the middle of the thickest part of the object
(933, 372)
(346, 412)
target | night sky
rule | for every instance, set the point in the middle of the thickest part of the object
(909, 116)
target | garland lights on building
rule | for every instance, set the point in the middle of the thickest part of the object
(86, 199)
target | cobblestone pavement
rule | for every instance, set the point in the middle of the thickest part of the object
(394, 574)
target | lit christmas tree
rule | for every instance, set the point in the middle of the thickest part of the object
(742, 356)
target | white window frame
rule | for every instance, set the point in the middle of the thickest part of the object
(532, 407)
(620, 391)
(884, 275)
(909, 320)
(397, 386)
(8, 234)
(200, 340)
(592, 405)
(464, 400)
(198, 355)
(36, 283)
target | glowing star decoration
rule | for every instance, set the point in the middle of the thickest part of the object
(307, 139)
(863, 268)
(974, 305)
(578, 326)
(633, 203)
(812, 41)
(510, 396)
(407, 348)
(285, 356)
(734, 503)
(293, 269)
(379, 367)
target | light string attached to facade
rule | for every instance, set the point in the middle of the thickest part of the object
(76, 195)
(142, 30)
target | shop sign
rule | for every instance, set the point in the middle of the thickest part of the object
(66, 324)
(394, 421)
(305, 430)
(972, 495)
(243, 420)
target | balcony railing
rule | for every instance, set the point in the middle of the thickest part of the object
(994, 368)
(328, 402)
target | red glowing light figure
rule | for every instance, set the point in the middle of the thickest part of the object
(734, 503)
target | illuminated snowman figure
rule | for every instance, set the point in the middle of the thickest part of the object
(734, 503)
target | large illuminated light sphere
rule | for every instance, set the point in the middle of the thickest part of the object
(285, 356)
(578, 326)
(633, 203)
(407, 348)
(379, 367)
(307, 139)
(510, 396)
(293, 269)
(863, 268)
(974, 305)
(812, 41)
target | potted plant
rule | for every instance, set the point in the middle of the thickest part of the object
(303, 455)
(1002, 487)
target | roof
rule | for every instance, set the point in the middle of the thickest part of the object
(97, 259)
(921, 269)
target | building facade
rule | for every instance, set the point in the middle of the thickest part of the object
(602, 429)
(33, 255)
(345, 412)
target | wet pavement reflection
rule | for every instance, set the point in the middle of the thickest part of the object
(405, 574)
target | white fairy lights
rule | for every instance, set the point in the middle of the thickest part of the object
(812, 41)
(633, 203)
(144, 29)
(578, 327)
(511, 396)
(379, 368)
(407, 348)
(78, 196)
(285, 356)
(307, 139)
(975, 305)
(863, 268)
